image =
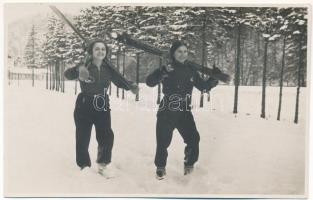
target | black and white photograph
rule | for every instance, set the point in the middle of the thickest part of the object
(156, 100)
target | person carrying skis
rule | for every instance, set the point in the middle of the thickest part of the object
(92, 106)
(178, 80)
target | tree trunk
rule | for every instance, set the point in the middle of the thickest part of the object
(118, 68)
(53, 75)
(264, 79)
(299, 83)
(57, 73)
(137, 73)
(242, 63)
(303, 70)
(60, 75)
(9, 77)
(52, 78)
(63, 78)
(257, 60)
(123, 73)
(50, 75)
(303, 82)
(76, 86)
(248, 66)
(33, 76)
(275, 61)
(110, 86)
(47, 76)
(203, 56)
(281, 81)
(159, 85)
(237, 70)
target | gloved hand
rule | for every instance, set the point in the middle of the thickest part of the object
(134, 88)
(165, 69)
(83, 73)
(212, 82)
(216, 70)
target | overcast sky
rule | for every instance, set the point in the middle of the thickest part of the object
(15, 11)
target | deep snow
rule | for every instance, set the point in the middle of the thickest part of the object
(239, 154)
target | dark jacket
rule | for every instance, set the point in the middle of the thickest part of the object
(102, 78)
(179, 84)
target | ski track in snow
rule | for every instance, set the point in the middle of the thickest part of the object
(239, 154)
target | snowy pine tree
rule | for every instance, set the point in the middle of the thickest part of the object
(32, 53)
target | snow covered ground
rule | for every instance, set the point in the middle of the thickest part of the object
(240, 154)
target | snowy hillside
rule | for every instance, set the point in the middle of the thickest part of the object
(239, 154)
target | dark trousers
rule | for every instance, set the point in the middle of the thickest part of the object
(167, 121)
(85, 115)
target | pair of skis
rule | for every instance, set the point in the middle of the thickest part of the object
(135, 43)
(130, 41)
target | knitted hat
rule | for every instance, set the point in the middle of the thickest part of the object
(175, 45)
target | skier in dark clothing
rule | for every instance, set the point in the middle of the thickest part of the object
(92, 106)
(178, 80)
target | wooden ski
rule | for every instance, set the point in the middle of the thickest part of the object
(136, 43)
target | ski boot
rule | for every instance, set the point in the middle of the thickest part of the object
(105, 170)
(188, 169)
(160, 173)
